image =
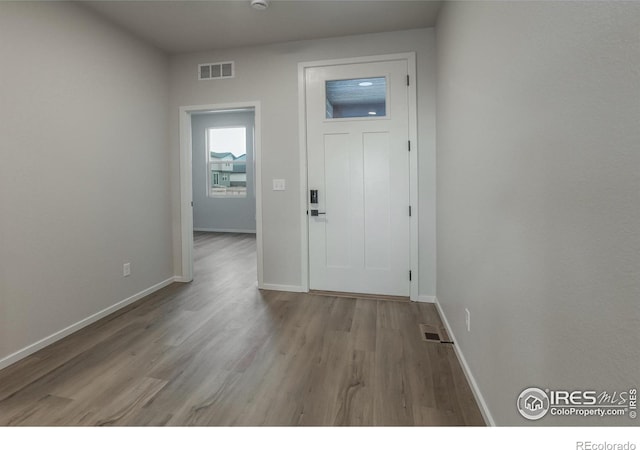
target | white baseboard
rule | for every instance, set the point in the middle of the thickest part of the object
(181, 279)
(282, 287)
(484, 409)
(224, 230)
(427, 298)
(30, 349)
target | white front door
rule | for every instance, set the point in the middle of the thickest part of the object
(358, 161)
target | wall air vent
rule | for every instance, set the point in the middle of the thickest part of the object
(216, 71)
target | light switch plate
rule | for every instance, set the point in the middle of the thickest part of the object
(278, 184)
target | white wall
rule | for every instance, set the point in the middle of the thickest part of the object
(269, 74)
(538, 195)
(84, 169)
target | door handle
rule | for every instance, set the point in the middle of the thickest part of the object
(315, 212)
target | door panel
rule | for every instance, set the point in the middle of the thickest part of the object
(337, 169)
(359, 164)
(377, 201)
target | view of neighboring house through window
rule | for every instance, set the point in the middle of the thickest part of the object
(227, 162)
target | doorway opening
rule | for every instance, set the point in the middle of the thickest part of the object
(220, 177)
(223, 181)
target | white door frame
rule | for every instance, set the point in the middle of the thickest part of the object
(410, 57)
(186, 175)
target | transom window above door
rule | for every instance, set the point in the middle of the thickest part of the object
(357, 97)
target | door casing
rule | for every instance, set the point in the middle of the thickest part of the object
(410, 58)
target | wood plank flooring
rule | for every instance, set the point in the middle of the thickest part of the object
(218, 351)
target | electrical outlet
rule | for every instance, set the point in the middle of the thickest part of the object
(279, 184)
(126, 269)
(467, 319)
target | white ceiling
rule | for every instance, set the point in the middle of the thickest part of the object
(178, 26)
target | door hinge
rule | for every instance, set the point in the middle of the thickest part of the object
(409, 145)
(407, 80)
(409, 275)
(191, 203)
(409, 210)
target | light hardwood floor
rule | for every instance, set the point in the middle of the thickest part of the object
(218, 351)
